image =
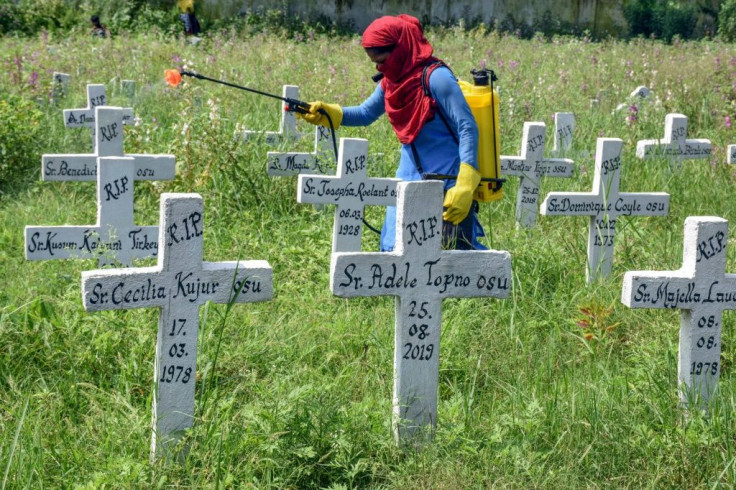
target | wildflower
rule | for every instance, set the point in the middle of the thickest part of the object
(728, 122)
(500, 63)
(33, 79)
(513, 64)
(633, 115)
(173, 77)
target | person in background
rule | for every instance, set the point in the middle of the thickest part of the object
(447, 144)
(99, 29)
(188, 18)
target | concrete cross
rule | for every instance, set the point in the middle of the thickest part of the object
(60, 86)
(287, 126)
(294, 163)
(701, 290)
(564, 129)
(531, 166)
(178, 285)
(114, 240)
(85, 117)
(420, 274)
(350, 190)
(108, 143)
(675, 144)
(604, 205)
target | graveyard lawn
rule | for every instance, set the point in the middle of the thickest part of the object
(560, 385)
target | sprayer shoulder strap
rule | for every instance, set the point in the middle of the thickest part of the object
(425, 88)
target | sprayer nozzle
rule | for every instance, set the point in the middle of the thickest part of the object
(173, 77)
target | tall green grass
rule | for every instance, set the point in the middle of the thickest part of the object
(296, 392)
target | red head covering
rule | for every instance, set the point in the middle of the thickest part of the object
(406, 105)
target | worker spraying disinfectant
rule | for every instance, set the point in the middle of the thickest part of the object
(432, 119)
(414, 88)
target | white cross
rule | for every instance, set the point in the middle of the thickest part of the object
(701, 290)
(179, 284)
(604, 205)
(294, 163)
(731, 154)
(60, 86)
(564, 129)
(85, 117)
(109, 143)
(531, 166)
(127, 87)
(287, 126)
(114, 239)
(351, 190)
(675, 144)
(420, 274)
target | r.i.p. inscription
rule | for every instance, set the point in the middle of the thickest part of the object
(420, 275)
(701, 290)
(564, 130)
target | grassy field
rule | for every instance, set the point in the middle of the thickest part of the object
(558, 386)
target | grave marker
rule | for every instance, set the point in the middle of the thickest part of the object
(420, 275)
(564, 129)
(604, 205)
(60, 86)
(127, 87)
(642, 92)
(114, 239)
(675, 144)
(701, 290)
(287, 126)
(731, 154)
(108, 143)
(350, 190)
(295, 163)
(85, 117)
(179, 284)
(531, 166)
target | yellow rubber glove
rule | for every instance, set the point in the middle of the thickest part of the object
(314, 116)
(459, 198)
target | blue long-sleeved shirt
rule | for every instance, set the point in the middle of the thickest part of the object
(438, 152)
(437, 149)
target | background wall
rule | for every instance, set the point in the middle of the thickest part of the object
(601, 17)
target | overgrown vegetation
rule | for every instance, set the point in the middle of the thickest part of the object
(662, 19)
(559, 386)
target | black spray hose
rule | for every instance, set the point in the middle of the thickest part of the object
(292, 105)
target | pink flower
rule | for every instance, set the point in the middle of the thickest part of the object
(728, 122)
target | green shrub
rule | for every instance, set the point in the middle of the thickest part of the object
(660, 18)
(19, 134)
(727, 20)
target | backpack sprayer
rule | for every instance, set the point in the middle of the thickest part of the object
(483, 102)
(173, 77)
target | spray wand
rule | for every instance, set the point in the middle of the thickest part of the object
(173, 78)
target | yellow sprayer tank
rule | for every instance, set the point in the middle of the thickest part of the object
(478, 96)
